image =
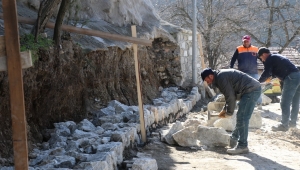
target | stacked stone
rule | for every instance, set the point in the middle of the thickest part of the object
(98, 143)
(184, 40)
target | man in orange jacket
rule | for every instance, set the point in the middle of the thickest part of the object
(246, 54)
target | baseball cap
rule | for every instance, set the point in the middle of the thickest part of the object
(262, 50)
(246, 37)
(206, 72)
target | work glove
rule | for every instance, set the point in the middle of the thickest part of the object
(268, 80)
(223, 114)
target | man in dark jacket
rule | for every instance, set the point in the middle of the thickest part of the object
(276, 65)
(235, 85)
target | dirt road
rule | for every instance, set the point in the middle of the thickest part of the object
(268, 150)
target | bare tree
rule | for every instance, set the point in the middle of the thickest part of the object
(60, 17)
(270, 22)
(222, 23)
(46, 10)
(211, 24)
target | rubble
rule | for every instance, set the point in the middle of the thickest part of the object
(98, 144)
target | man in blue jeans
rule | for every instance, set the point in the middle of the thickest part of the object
(279, 66)
(235, 85)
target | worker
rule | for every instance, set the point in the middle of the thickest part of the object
(246, 54)
(279, 66)
(235, 85)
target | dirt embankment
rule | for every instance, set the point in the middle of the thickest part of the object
(71, 85)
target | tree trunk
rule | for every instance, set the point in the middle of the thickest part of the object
(60, 17)
(46, 11)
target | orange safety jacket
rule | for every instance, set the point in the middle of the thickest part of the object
(247, 59)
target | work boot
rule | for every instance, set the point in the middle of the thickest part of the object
(292, 125)
(280, 127)
(232, 143)
(238, 150)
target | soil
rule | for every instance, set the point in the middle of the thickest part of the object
(268, 149)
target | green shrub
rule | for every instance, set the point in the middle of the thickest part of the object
(27, 42)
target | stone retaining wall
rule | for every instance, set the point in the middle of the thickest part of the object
(99, 143)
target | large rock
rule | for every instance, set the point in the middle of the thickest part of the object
(212, 136)
(193, 123)
(226, 123)
(186, 137)
(145, 164)
(265, 99)
(175, 128)
(255, 120)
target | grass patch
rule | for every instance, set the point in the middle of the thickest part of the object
(27, 42)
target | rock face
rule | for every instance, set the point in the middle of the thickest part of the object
(109, 16)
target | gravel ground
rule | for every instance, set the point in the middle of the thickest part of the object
(268, 149)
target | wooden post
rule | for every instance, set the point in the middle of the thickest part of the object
(138, 85)
(89, 32)
(15, 80)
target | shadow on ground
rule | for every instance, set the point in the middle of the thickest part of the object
(259, 162)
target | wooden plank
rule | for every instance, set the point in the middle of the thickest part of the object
(90, 32)
(26, 61)
(17, 104)
(138, 86)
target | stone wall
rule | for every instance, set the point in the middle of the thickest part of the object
(184, 39)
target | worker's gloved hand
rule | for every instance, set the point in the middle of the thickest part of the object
(223, 114)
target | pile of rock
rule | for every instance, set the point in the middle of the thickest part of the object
(98, 144)
(210, 130)
(195, 134)
(229, 123)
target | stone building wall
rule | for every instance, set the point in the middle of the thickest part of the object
(184, 39)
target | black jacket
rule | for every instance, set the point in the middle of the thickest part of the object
(278, 66)
(233, 84)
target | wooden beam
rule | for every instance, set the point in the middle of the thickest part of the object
(17, 106)
(138, 86)
(89, 32)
